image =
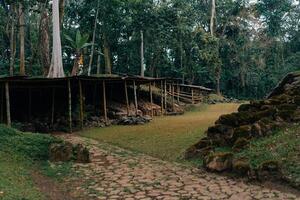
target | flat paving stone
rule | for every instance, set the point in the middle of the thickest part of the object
(115, 173)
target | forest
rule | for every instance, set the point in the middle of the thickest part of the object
(241, 48)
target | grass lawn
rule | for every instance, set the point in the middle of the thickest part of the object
(165, 137)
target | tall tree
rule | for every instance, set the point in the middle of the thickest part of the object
(22, 38)
(44, 39)
(56, 68)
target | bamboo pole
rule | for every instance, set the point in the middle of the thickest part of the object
(7, 98)
(135, 98)
(162, 97)
(126, 97)
(81, 104)
(70, 106)
(104, 102)
(151, 99)
(53, 107)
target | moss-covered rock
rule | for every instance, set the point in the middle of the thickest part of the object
(218, 162)
(194, 152)
(220, 131)
(241, 166)
(240, 144)
(270, 165)
(241, 132)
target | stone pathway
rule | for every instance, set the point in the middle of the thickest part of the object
(119, 174)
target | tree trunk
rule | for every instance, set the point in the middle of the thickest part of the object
(22, 39)
(212, 27)
(218, 78)
(76, 64)
(142, 55)
(61, 13)
(99, 64)
(56, 69)
(12, 44)
(93, 42)
(44, 41)
(107, 55)
(213, 16)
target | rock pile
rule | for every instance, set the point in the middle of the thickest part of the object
(134, 120)
(254, 120)
(65, 152)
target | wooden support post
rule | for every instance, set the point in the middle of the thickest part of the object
(126, 97)
(135, 98)
(178, 93)
(81, 114)
(29, 104)
(151, 99)
(173, 96)
(104, 102)
(53, 107)
(70, 106)
(7, 99)
(193, 102)
(165, 86)
(162, 97)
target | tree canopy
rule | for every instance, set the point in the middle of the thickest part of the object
(255, 43)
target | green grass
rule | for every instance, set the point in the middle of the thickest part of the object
(15, 181)
(20, 153)
(165, 137)
(283, 147)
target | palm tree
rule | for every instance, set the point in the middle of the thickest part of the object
(77, 45)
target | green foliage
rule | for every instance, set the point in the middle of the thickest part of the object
(254, 46)
(31, 146)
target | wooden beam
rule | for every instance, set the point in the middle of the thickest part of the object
(53, 107)
(135, 98)
(7, 99)
(151, 99)
(126, 97)
(81, 114)
(104, 102)
(70, 106)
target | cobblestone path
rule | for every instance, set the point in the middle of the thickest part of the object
(120, 174)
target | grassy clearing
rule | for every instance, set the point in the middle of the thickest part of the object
(283, 147)
(19, 154)
(165, 137)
